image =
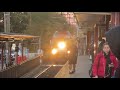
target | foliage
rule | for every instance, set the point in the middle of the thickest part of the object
(44, 24)
(19, 22)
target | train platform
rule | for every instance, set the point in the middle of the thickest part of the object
(82, 68)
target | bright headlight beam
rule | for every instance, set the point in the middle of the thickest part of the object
(68, 51)
(61, 45)
(54, 51)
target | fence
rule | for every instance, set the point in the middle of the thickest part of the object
(19, 70)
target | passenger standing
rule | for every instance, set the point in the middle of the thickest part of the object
(92, 51)
(40, 52)
(105, 63)
(72, 58)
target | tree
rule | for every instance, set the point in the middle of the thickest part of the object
(44, 24)
(19, 22)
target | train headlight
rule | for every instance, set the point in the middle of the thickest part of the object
(54, 51)
(61, 45)
(68, 52)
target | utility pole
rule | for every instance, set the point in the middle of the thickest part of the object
(29, 13)
(7, 30)
(7, 22)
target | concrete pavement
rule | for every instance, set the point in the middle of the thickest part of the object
(82, 68)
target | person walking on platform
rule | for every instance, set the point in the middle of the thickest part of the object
(72, 58)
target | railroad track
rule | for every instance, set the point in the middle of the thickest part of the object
(49, 72)
(43, 71)
(34, 72)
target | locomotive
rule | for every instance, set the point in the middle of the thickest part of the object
(59, 44)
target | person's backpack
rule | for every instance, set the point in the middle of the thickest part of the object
(90, 71)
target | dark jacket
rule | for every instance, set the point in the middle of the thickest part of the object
(113, 38)
(73, 54)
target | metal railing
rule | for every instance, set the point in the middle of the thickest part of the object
(16, 71)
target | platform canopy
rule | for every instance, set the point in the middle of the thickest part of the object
(15, 36)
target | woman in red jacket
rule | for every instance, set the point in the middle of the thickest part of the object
(105, 63)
